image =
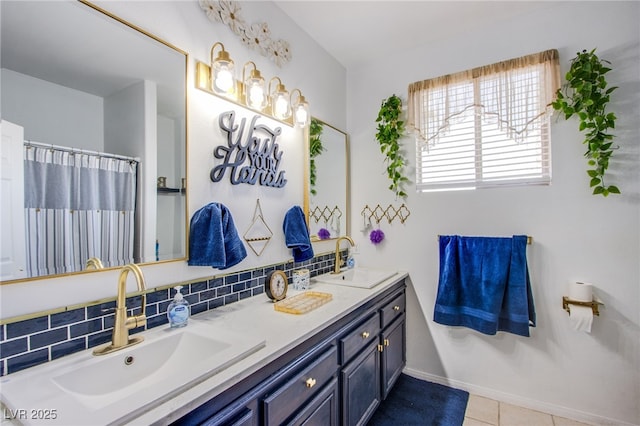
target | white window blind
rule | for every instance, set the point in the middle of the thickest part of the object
(485, 127)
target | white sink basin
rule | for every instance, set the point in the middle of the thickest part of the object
(142, 362)
(117, 387)
(357, 277)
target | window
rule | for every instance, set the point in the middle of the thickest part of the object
(485, 127)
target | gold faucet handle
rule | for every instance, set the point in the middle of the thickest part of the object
(136, 321)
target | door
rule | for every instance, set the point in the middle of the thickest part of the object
(13, 257)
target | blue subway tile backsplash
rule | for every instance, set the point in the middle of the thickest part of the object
(38, 340)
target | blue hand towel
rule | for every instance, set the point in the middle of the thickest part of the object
(296, 234)
(484, 284)
(213, 238)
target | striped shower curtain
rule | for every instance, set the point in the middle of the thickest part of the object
(77, 206)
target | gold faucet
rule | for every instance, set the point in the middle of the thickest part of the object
(123, 324)
(338, 261)
(94, 263)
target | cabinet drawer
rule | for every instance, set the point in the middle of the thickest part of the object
(287, 399)
(359, 337)
(393, 309)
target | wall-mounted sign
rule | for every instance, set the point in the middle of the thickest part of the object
(252, 154)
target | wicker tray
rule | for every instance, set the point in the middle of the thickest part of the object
(302, 303)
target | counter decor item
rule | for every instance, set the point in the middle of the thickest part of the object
(390, 130)
(178, 311)
(301, 279)
(586, 95)
(276, 285)
(303, 303)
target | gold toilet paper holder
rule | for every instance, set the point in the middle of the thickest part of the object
(594, 304)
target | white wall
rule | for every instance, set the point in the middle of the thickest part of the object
(576, 236)
(51, 113)
(184, 24)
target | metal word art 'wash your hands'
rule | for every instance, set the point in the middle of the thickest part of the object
(263, 154)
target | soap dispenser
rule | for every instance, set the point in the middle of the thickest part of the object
(178, 311)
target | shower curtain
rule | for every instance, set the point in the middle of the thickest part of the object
(77, 206)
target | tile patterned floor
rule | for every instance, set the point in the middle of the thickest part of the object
(488, 412)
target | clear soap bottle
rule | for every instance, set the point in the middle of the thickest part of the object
(178, 311)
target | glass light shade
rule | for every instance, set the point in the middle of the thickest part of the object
(255, 94)
(280, 104)
(301, 114)
(222, 81)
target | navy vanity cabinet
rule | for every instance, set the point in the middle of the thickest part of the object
(361, 392)
(288, 398)
(368, 376)
(337, 376)
(393, 354)
(322, 410)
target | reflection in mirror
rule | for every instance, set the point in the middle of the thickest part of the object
(95, 110)
(328, 181)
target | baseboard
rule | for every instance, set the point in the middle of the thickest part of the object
(508, 398)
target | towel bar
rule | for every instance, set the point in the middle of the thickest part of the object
(529, 239)
(594, 304)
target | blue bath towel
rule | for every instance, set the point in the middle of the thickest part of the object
(296, 234)
(213, 238)
(484, 284)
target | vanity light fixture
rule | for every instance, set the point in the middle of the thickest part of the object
(279, 100)
(255, 96)
(301, 114)
(222, 79)
(217, 78)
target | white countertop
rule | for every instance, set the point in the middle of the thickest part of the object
(254, 316)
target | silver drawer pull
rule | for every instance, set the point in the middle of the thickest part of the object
(310, 382)
(365, 335)
(396, 308)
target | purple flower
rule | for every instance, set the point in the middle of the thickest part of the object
(376, 236)
(324, 234)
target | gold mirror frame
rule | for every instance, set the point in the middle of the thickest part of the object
(327, 210)
(95, 264)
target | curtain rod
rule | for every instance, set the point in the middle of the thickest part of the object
(80, 151)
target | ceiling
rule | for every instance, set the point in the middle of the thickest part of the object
(356, 32)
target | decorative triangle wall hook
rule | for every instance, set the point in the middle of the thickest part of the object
(258, 234)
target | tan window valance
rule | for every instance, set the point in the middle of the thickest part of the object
(513, 93)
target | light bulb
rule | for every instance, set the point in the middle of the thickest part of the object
(224, 80)
(301, 115)
(281, 108)
(256, 97)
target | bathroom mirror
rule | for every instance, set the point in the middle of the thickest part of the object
(329, 181)
(81, 81)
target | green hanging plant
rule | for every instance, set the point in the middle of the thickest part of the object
(390, 130)
(586, 95)
(315, 149)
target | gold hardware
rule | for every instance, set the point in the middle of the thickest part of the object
(396, 308)
(310, 382)
(593, 304)
(380, 348)
(386, 342)
(123, 323)
(94, 263)
(390, 213)
(365, 335)
(337, 260)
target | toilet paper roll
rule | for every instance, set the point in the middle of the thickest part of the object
(581, 317)
(581, 292)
